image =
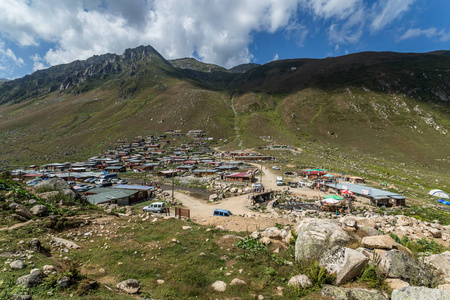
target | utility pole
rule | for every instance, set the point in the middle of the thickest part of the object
(260, 180)
(173, 182)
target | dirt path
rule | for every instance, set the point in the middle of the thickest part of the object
(18, 225)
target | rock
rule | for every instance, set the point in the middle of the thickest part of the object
(271, 232)
(315, 236)
(254, 235)
(396, 264)
(23, 211)
(344, 262)
(63, 282)
(300, 280)
(36, 272)
(35, 245)
(186, 227)
(237, 281)
(441, 262)
(339, 293)
(18, 218)
(219, 286)
(422, 293)
(160, 281)
(213, 197)
(396, 284)
(29, 281)
(220, 227)
(65, 242)
(383, 242)
(379, 242)
(20, 297)
(54, 184)
(32, 201)
(17, 264)
(403, 221)
(265, 240)
(366, 252)
(444, 287)
(69, 193)
(130, 286)
(48, 269)
(39, 210)
(435, 232)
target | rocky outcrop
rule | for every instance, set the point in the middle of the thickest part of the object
(343, 262)
(396, 264)
(422, 293)
(23, 211)
(315, 236)
(39, 210)
(440, 262)
(339, 293)
(64, 242)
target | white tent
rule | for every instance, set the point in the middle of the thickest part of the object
(439, 194)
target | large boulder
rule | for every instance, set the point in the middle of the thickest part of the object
(383, 242)
(340, 293)
(396, 264)
(315, 236)
(23, 211)
(17, 264)
(54, 184)
(422, 293)
(130, 286)
(30, 280)
(271, 232)
(219, 286)
(344, 262)
(39, 210)
(441, 262)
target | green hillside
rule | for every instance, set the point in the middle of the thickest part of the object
(387, 106)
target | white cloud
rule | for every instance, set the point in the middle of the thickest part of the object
(386, 11)
(38, 63)
(275, 57)
(8, 60)
(432, 32)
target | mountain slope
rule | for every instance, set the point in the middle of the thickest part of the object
(386, 105)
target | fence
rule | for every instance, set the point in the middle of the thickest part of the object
(182, 212)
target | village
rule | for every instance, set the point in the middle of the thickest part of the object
(146, 169)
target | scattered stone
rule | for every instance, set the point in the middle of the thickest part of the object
(265, 240)
(39, 210)
(17, 264)
(300, 280)
(422, 293)
(186, 227)
(219, 286)
(130, 286)
(444, 287)
(255, 235)
(271, 232)
(36, 271)
(20, 297)
(220, 227)
(344, 262)
(160, 281)
(237, 281)
(63, 282)
(340, 293)
(65, 242)
(403, 221)
(29, 281)
(435, 232)
(35, 245)
(379, 242)
(396, 284)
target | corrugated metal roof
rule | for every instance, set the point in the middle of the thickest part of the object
(109, 194)
(365, 190)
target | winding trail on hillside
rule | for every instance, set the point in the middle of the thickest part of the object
(236, 122)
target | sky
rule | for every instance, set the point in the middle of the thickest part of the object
(37, 34)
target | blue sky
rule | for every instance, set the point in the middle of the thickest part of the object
(36, 34)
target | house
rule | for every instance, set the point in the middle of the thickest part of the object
(252, 157)
(112, 196)
(241, 177)
(376, 196)
(202, 173)
(111, 169)
(148, 167)
(196, 133)
(168, 173)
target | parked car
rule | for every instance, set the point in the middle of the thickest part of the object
(122, 181)
(222, 212)
(72, 183)
(114, 180)
(289, 173)
(275, 168)
(156, 207)
(34, 182)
